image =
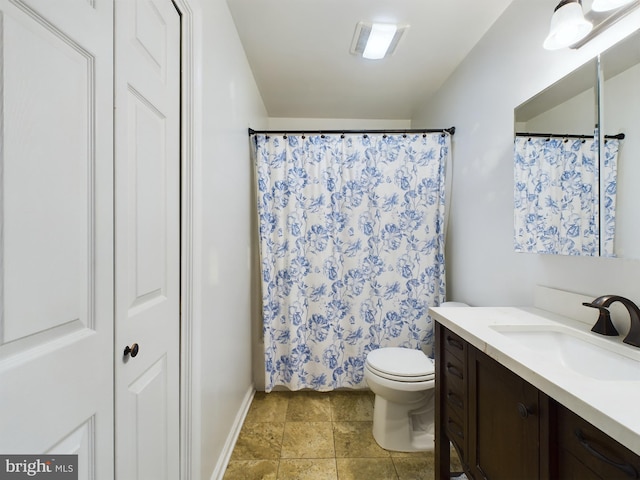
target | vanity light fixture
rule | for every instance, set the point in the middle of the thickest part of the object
(375, 41)
(568, 25)
(606, 5)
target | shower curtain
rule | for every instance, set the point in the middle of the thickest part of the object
(557, 196)
(351, 231)
(609, 191)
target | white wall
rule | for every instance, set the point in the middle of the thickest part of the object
(336, 124)
(229, 104)
(507, 67)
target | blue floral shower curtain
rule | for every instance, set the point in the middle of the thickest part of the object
(557, 196)
(609, 193)
(351, 231)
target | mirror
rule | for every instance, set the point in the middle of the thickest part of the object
(568, 110)
(620, 87)
(555, 168)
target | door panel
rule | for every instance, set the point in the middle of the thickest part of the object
(152, 36)
(56, 236)
(43, 68)
(147, 238)
(79, 442)
(148, 395)
(148, 233)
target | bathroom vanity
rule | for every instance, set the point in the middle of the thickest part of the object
(520, 395)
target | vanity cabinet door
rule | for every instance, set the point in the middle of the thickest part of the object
(585, 452)
(504, 422)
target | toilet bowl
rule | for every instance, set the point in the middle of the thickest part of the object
(403, 382)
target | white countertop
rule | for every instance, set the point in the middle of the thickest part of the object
(611, 405)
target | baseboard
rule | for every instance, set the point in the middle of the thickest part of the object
(232, 438)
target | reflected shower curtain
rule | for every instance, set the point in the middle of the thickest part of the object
(556, 196)
(609, 191)
(351, 231)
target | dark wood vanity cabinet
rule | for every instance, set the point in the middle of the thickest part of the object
(505, 428)
(490, 414)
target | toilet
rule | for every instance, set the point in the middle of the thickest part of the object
(403, 381)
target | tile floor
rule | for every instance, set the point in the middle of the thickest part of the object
(318, 436)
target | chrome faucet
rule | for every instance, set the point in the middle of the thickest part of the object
(604, 326)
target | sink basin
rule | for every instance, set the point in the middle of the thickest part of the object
(577, 351)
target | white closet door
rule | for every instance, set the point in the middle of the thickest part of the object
(147, 238)
(56, 230)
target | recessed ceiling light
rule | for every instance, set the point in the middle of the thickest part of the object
(376, 40)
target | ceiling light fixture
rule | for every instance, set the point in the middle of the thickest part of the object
(606, 5)
(568, 25)
(376, 40)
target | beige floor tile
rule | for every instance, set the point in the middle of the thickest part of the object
(317, 436)
(251, 470)
(309, 407)
(414, 468)
(412, 454)
(454, 463)
(366, 469)
(352, 406)
(259, 441)
(268, 407)
(308, 440)
(303, 469)
(355, 439)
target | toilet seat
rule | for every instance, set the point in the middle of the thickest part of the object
(398, 378)
(401, 364)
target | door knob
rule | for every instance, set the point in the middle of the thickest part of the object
(131, 350)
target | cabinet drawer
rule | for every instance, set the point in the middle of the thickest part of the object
(456, 431)
(454, 374)
(454, 344)
(454, 400)
(583, 445)
(454, 392)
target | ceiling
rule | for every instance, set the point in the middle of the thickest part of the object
(299, 53)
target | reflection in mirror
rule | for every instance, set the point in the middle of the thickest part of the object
(621, 113)
(567, 106)
(556, 196)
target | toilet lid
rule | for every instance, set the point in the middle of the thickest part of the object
(402, 363)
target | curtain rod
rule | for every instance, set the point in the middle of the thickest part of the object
(450, 131)
(619, 136)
